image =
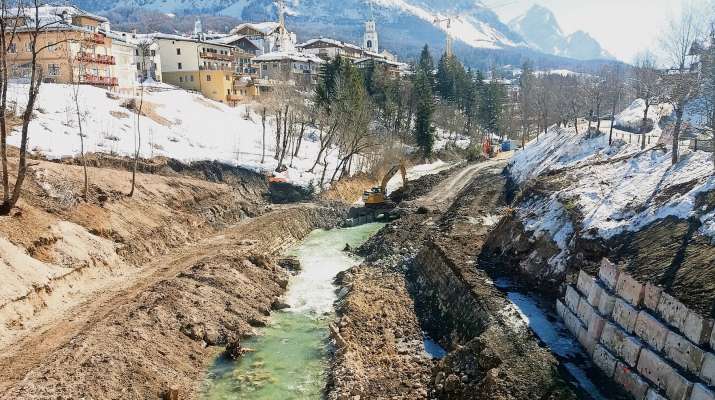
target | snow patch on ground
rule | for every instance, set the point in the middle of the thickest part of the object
(185, 126)
(632, 117)
(616, 188)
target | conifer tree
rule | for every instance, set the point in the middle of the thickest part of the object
(424, 131)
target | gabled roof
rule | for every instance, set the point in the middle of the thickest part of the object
(265, 28)
(288, 55)
(332, 42)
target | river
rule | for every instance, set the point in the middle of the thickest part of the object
(291, 354)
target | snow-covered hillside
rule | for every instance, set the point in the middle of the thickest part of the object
(614, 188)
(180, 125)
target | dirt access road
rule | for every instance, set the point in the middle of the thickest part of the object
(446, 192)
(105, 346)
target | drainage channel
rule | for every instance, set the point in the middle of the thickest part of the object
(536, 313)
(291, 354)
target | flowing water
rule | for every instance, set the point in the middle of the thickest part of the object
(291, 354)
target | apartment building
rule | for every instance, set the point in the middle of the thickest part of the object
(329, 49)
(201, 66)
(75, 49)
(292, 68)
(124, 69)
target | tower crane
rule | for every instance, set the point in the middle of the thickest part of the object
(446, 23)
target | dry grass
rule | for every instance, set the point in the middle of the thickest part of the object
(349, 190)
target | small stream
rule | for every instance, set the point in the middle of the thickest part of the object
(291, 354)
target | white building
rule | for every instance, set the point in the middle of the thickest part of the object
(147, 59)
(370, 39)
(125, 69)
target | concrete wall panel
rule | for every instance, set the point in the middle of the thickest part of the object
(631, 381)
(625, 315)
(572, 298)
(594, 297)
(605, 306)
(585, 311)
(605, 361)
(653, 395)
(707, 372)
(700, 392)
(652, 296)
(651, 330)
(618, 342)
(630, 289)
(681, 351)
(697, 328)
(658, 371)
(595, 326)
(585, 283)
(608, 273)
(672, 311)
(588, 342)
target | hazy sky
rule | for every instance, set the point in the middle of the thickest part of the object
(623, 27)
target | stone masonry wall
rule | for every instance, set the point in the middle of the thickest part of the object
(641, 337)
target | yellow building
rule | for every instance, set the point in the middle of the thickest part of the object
(201, 66)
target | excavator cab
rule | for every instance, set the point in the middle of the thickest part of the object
(377, 196)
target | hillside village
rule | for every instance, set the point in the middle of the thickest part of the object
(255, 214)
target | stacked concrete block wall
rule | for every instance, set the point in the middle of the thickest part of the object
(641, 337)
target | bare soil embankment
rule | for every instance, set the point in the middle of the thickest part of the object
(424, 266)
(117, 297)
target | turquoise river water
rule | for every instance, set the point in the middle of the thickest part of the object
(291, 354)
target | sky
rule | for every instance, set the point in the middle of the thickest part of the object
(623, 27)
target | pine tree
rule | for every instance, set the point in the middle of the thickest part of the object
(426, 63)
(424, 132)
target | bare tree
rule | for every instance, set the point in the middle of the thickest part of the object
(646, 85)
(263, 123)
(615, 85)
(80, 117)
(138, 144)
(27, 22)
(526, 99)
(682, 85)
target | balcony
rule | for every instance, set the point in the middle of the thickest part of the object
(99, 80)
(216, 56)
(96, 58)
(225, 68)
(96, 38)
(233, 97)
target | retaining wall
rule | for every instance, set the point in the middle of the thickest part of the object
(641, 337)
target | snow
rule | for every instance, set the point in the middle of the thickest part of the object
(616, 188)
(632, 117)
(187, 127)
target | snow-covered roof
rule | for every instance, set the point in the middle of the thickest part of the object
(227, 39)
(166, 36)
(288, 55)
(333, 42)
(48, 13)
(396, 64)
(264, 27)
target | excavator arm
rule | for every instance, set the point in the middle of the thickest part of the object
(391, 173)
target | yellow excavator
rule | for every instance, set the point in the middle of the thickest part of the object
(377, 197)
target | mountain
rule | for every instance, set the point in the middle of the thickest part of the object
(482, 40)
(540, 28)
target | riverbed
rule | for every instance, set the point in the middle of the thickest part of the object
(291, 354)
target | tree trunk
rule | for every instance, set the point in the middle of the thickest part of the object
(676, 134)
(139, 141)
(263, 122)
(300, 139)
(644, 125)
(278, 135)
(613, 122)
(81, 147)
(284, 145)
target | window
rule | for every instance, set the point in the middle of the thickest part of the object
(136, 52)
(192, 78)
(208, 78)
(153, 53)
(28, 47)
(13, 48)
(181, 79)
(53, 70)
(228, 77)
(264, 67)
(180, 66)
(178, 52)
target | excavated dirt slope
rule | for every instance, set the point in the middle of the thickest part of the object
(118, 297)
(421, 275)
